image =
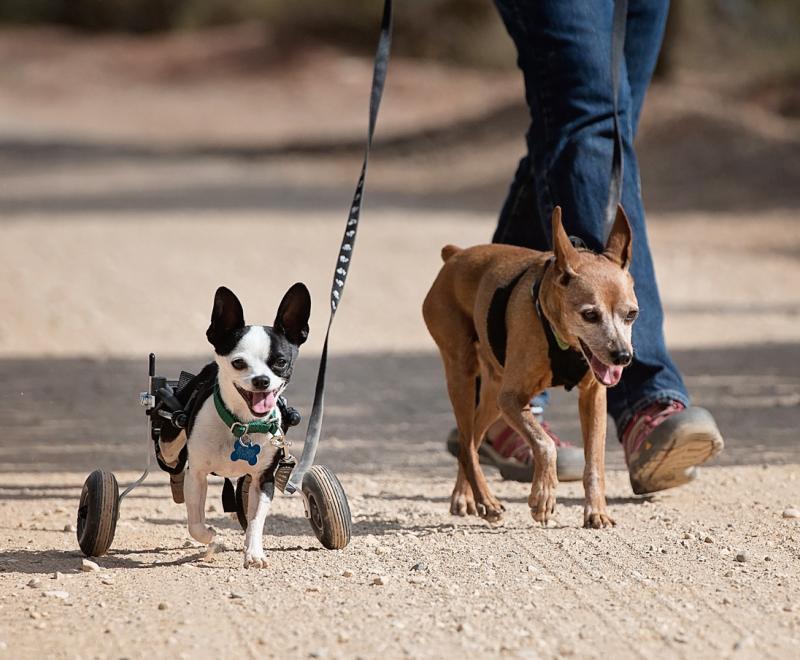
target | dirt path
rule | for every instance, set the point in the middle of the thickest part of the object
(665, 582)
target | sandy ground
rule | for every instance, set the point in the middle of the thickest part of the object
(126, 203)
(665, 582)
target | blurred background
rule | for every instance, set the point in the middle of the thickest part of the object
(151, 150)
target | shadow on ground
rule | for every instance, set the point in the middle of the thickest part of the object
(384, 412)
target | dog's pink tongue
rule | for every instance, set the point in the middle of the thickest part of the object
(609, 376)
(263, 402)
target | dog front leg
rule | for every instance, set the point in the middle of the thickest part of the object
(518, 415)
(592, 407)
(258, 505)
(195, 487)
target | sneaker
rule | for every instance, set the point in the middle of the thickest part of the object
(664, 444)
(512, 455)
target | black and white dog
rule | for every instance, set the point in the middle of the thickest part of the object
(231, 432)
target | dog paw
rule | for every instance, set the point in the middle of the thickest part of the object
(463, 503)
(202, 533)
(255, 560)
(593, 519)
(490, 509)
(542, 501)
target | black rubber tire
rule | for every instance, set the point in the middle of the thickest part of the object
(327, 504)
(98, 511)
(242, 497)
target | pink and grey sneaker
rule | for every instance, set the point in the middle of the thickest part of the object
(664, 444)
(510, 453)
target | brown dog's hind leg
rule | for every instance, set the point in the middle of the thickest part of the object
(461, 369)
(592, 407)
(518, 415)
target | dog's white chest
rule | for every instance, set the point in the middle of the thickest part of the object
(213, 448)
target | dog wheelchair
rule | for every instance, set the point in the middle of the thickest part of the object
(167, 404)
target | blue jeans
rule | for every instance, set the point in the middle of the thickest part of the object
(564, 52)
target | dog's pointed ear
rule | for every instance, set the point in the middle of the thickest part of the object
(293, 314)
(566, 254)
(227, 316)
(619, 247)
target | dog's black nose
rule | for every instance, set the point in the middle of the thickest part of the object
(261, 382)
(622, 357)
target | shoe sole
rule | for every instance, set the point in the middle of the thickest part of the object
(510, 470)
(674, 450)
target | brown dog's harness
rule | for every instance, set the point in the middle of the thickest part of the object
(567, 365)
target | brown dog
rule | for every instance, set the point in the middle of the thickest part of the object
(523, 321)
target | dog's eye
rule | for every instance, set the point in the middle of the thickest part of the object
(239, 364)
(631, 317)
(280, 363)
(590, 315)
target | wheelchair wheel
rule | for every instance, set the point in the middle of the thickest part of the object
(242, 497)
(98, 511)
(329, 512)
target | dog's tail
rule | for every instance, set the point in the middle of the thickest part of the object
(448, 251)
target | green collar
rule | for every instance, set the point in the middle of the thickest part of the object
(239, 428)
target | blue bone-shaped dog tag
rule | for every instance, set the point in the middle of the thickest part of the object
(245, 452)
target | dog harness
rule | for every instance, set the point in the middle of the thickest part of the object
(567, 364)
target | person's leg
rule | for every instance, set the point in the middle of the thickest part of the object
(564, 52)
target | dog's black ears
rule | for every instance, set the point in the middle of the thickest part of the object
(566, 254)
(293, 314)
(226, 317)
(619, 247)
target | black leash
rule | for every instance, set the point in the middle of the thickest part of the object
(617, 51)
(345, 253)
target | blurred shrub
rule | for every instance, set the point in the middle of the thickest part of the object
(464, 31)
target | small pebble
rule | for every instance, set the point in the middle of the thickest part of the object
(107, 580)
(686, 535)
(791, 512)
(162, 606)
(420, 566)
(464, 628)
(69, 527)
(379, 580)
(741, 557)
(56, 576)
(61, 595)
(34, 583)
(88, 566)
(347, 573)
(233, 595)
(708, 539)
(381, 550)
